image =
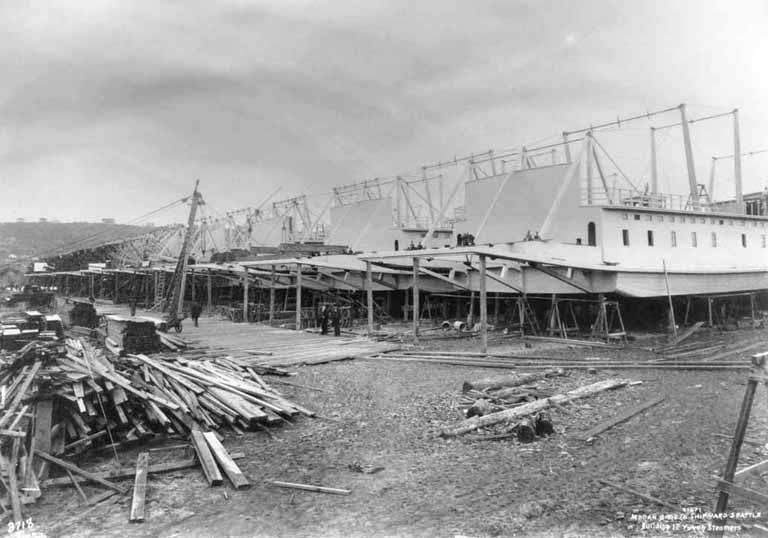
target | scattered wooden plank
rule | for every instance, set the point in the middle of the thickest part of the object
(129, 472)
(77, 470)
(238, 479)
(77, 486)
(618, 419)
(139, 488)
(210, 469)
(307, 487)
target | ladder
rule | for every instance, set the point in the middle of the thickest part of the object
(556, 325)
(159, 299)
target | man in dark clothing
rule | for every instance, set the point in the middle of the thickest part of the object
(336, 321)
(196, 310)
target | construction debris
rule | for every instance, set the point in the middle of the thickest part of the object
(61, 399)
(515, 413)
(621, 417)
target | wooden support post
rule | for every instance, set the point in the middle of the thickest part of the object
(116, 283)
(471, 312)
(298, 296)
(669, 298)
(416, 313)
(483, 307)
(91, 286)
(709, 311)
(369, 294)
(752, 306)
(210, 290)
(272, 297)
(405, 308)
(192, 284)
(521, 313)
(245, 297)
(496, 302)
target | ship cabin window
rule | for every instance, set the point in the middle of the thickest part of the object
(591, 234)
(650, 238)
(637, 217)
(694, 241)
(682, 219)
(762, 239)
(659, 218)
(712, 221)
(649, 218)
(722, 222)
(744, 240)
(703, 220)
(714, 239)
(741, 223)
(625, 216)
(673, 238)
(672, 218)
(625, 237)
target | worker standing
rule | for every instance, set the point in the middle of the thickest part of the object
(195, 311)
(336, 321)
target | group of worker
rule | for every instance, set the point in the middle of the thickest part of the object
(529, 237)
(465, 240)
(333, 315)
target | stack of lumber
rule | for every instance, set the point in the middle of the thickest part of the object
(172, 343)
(83, 314)
(62, 399)
(132, 334)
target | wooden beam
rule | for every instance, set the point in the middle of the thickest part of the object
(77, 470)
(238, 479)
(416, 300)
(307, 487)
(210, 469)
(272, 297)
(13, 482)
(556, 275)
(499, 280)
(245, 297)
(618, 419)
(298, 296)
(139, 488)
(483, 307)
(438, 276)
(369, 295)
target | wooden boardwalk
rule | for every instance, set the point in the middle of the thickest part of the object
(257, 343)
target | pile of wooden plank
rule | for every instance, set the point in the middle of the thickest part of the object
(61, 399)
(83, 314)
(132, 334)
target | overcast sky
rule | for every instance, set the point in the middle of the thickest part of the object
(113, 108)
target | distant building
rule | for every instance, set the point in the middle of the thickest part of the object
(43, 219)
(108, 221)
(20, 219)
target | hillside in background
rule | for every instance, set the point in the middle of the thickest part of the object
(26, 239)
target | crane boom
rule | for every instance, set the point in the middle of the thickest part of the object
(176, 303)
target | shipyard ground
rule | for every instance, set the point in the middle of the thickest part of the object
(382, 413)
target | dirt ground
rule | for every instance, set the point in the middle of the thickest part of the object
(382, 413)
